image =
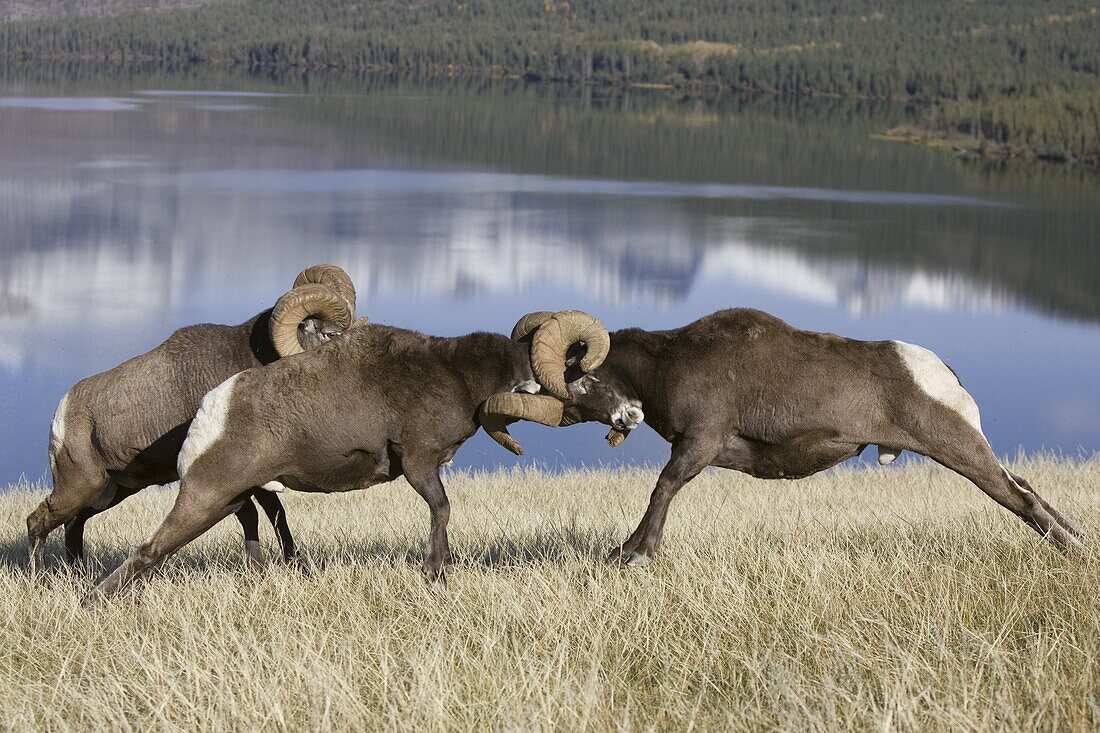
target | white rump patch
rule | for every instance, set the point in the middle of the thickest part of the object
(887, 455)
(207, 426)
(939, 382)
(57, 430)
(274, 487)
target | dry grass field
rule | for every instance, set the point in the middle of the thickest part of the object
(859, 599)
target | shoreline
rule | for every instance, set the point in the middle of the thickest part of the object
(960, 145)
(649, 471)
(972, 148)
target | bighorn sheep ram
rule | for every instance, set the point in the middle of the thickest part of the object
(119, 431)
(744, 390)
(373, 404)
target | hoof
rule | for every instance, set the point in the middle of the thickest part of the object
(637, 560)
(298, 561)
(255, 557)
(438, 587)
(94, 599)
(617, 557)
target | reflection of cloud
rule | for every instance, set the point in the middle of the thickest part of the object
(137, 214)
(112, 255)
(209, 93)
(100, 290)
(314, 181)
(71, 104)
(214, 107)
(778, 270)
(859, 288)
(115, 162)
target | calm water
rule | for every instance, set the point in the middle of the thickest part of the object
(128, 209)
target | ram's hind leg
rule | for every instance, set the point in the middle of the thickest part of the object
(276, 514)
(111, 497)
(1067, 523)
(941, 420)
(70, 496)
(250, 524)
(74, 537)
(962, 448)
(197, 509)
(995, 480)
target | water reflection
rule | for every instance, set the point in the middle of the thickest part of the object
(123, 216)
(70, 104)
(296, 181)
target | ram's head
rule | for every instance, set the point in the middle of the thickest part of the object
(320, 305)
(567, 342)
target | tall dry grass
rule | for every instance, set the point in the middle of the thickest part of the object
(884, 599)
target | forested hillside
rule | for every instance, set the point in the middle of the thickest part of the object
(1012, 77)
(33, 9)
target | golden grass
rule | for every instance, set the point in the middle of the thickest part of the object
(877, 599)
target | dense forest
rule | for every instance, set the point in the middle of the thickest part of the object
(1005, 78)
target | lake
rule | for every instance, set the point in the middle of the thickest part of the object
(133, 206)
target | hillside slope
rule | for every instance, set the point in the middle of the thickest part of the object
(18, 10)
(1024, 78)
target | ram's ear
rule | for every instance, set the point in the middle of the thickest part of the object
(583, 383)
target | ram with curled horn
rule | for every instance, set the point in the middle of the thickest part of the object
(376, 403)
(121, 430)
(741, 389)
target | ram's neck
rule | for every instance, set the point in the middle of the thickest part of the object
(635, 358)
(489, 363)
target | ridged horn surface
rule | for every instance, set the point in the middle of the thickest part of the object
(529, 323)
(330, 275)
(314, 300)
(500, 408)
(552, 341)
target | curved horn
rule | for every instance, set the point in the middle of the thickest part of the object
(332, 276)
(529, 323)
(552, 341)
(496, 411)
(305, 301)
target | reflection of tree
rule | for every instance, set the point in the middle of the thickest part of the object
(1047, 257)
(138, 219)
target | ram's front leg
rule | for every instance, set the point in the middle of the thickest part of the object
(425, 480)
(689, 457)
